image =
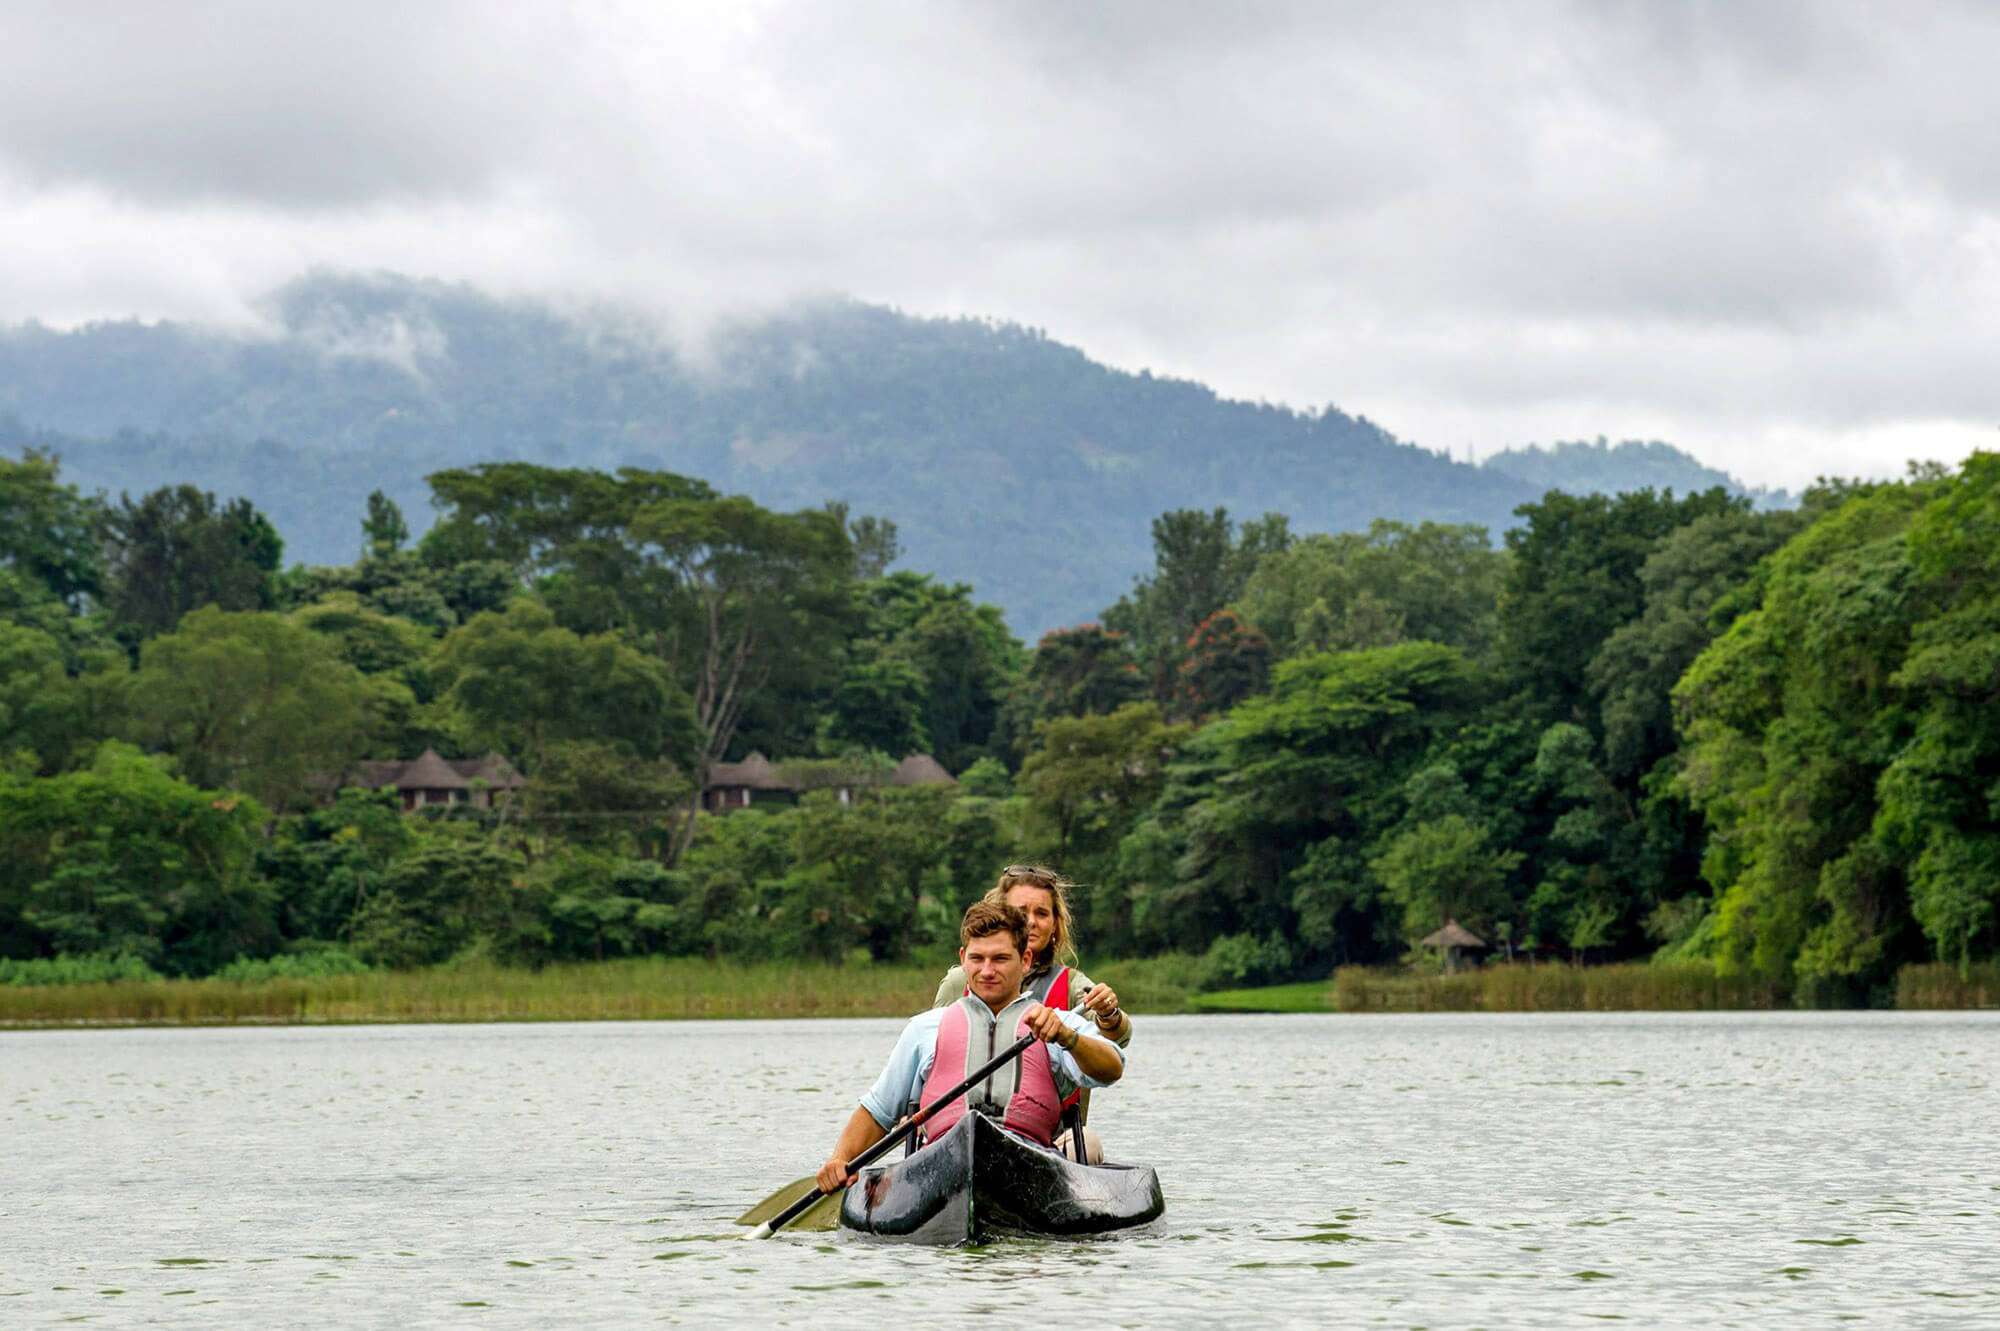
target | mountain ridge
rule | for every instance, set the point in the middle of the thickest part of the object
(1008, 460)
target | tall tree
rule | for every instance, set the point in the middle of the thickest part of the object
(524, 683)
(49, 531)
(1791, 718)
(177, 549)
(728, 594)
(1574, 581)
(1201, 562)
(383, 531)
(254, 703)
(1432, 582)
(1226, 662)
(1267, 817)
(1084, 671)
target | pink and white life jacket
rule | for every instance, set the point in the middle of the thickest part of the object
(1022, 1095)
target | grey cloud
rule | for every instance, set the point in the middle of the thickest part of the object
(287, 106)
(1779, 215)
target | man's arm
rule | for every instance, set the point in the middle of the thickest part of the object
(894, 1094)
(1098, 1059)
(861, 1132)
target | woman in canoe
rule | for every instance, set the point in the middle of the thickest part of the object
(1042, 895)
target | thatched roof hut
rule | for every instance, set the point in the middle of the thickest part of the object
(1453, 934)
(1452, 939)
(429, 779)
(920, 769)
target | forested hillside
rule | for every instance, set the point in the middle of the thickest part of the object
(1007, 460)
(1601, 467)
(1760, 743)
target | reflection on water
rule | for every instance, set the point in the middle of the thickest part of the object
(1403, 1171)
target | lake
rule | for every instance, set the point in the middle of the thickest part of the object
(1747, 1170)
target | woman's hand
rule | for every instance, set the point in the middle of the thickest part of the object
(1102, 1005)
(1046, 1024)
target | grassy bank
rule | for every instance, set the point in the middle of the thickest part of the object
(654, 989)
(1554, 988)
(1306, 996)
(646, 989)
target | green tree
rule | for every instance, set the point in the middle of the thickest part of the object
(600, 906)
(1690, 587)
(253, 703)
(322, 863)
(1574, 580)
(594, 792)
(1355, 590)
(1091, 776)
(1201, 562)
(1443, 869)
(1084, 671)
(1267, 818)
(1226, 662)
(1938, 812)
(49, 531)
(1791, 718)
(732, 597)
(383, 531)
(524, 683)
(176, 550)
(879, 705)
(440, 898)
(862, 871)
(123, 858)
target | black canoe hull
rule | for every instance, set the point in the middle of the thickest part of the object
(979, 1180)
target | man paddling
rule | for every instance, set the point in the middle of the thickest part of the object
(939, 1048)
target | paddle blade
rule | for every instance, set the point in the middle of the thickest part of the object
(822, 1214)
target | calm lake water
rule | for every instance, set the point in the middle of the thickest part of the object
(1739, 1170)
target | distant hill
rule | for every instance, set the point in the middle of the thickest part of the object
(1007, 460)
(1607, 468)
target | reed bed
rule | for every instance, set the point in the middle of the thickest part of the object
(641, 989)
(1944, 986)
(1555, 988)
(637, 990)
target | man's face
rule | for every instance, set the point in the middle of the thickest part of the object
(993, 968)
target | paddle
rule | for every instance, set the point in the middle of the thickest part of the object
(890, 1142)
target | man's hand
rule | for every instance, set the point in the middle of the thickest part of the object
(833, 1175)
(1102, 1005)
(1046, 1024)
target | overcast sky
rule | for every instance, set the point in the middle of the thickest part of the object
(1768, 232)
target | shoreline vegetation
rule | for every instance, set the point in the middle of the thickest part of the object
(1731, 758)
(656, 989)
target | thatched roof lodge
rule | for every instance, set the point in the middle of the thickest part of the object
(428, 781)
(758, 780)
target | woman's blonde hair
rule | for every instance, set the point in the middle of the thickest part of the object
(1062, 946)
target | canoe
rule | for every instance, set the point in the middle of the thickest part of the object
(979, 1179)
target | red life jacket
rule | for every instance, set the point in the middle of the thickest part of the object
(1059, 1000)
(1022, 1095)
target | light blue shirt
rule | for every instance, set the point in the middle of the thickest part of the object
(900, 1088)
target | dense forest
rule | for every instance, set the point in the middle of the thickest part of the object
(1646, 725)
(358, 384)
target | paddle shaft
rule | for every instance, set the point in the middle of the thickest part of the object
(903, 1130)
